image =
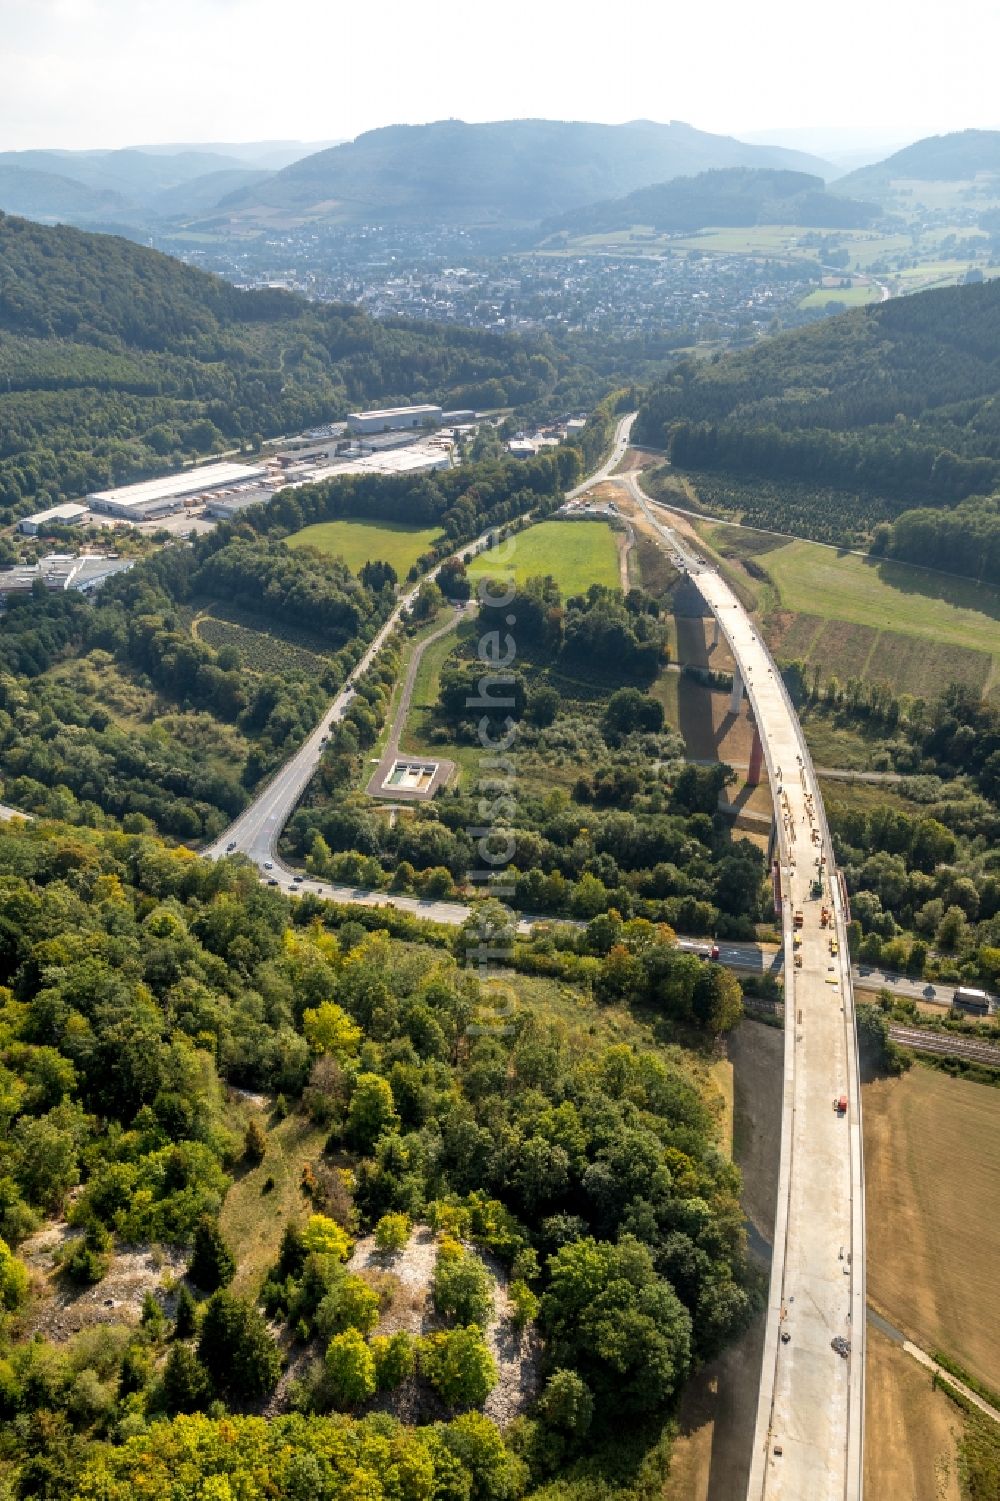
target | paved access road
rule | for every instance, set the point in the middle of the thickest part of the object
(258, 828)
(810, 1420)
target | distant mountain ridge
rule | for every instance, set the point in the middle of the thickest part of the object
(727, 196)
(517, 171)
(49, 195)
(946, 158)
(119, 186)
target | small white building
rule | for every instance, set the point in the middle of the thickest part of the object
(70, 514)
(394, 419)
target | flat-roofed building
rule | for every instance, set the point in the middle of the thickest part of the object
(229, 503)
(436, 453)
(61, 571)
(158, 497)
(394, 419)
(70, 514)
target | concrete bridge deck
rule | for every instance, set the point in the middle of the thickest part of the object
(808, 1443)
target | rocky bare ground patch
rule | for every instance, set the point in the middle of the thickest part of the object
(59, 1308)
(403, 1280)
(406, 1275)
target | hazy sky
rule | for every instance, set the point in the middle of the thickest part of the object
(115, 72)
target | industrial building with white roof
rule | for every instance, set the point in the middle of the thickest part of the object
(158, 497)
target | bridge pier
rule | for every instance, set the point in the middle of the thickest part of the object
(756, 757)
(736, 700)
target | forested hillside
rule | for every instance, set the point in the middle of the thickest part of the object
(727, 196)
(142, 993)
(897, 400)
(958, 156)
(117, 362)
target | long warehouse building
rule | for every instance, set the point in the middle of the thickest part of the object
(394, 419)
(158, 497)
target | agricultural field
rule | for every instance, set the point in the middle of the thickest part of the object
(876, 619)
(790, 507)
(854, 296)
(933, 1252)
(262, 646)
(576, 554)
(913, 1429)
(909, 663)
(360, 542)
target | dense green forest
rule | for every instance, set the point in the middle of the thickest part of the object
(117, 362)
(895, 402)
(963, 540)
(137, 985)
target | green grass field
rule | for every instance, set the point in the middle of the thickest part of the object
(846, 296)
(576, 553)
(850, 617)
(889, 596)
(359, 542)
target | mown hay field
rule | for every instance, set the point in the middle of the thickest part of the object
(933, 1204)
(360, 542)
(576, 554)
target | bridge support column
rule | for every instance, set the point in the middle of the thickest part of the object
(756, 758)
(736, 700)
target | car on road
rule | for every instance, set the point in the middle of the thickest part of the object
(297, 880)
(273, 881)
(268, 864)
(230, 846)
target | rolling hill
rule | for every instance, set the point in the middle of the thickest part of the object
(726, 196)
(956, 157)
(119, 186)
(48, 195)
(117, 361)
(514, 171)
(898, 399)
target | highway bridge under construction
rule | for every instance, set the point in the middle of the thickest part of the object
(809, 1435)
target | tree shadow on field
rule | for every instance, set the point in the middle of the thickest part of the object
(962, 594)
